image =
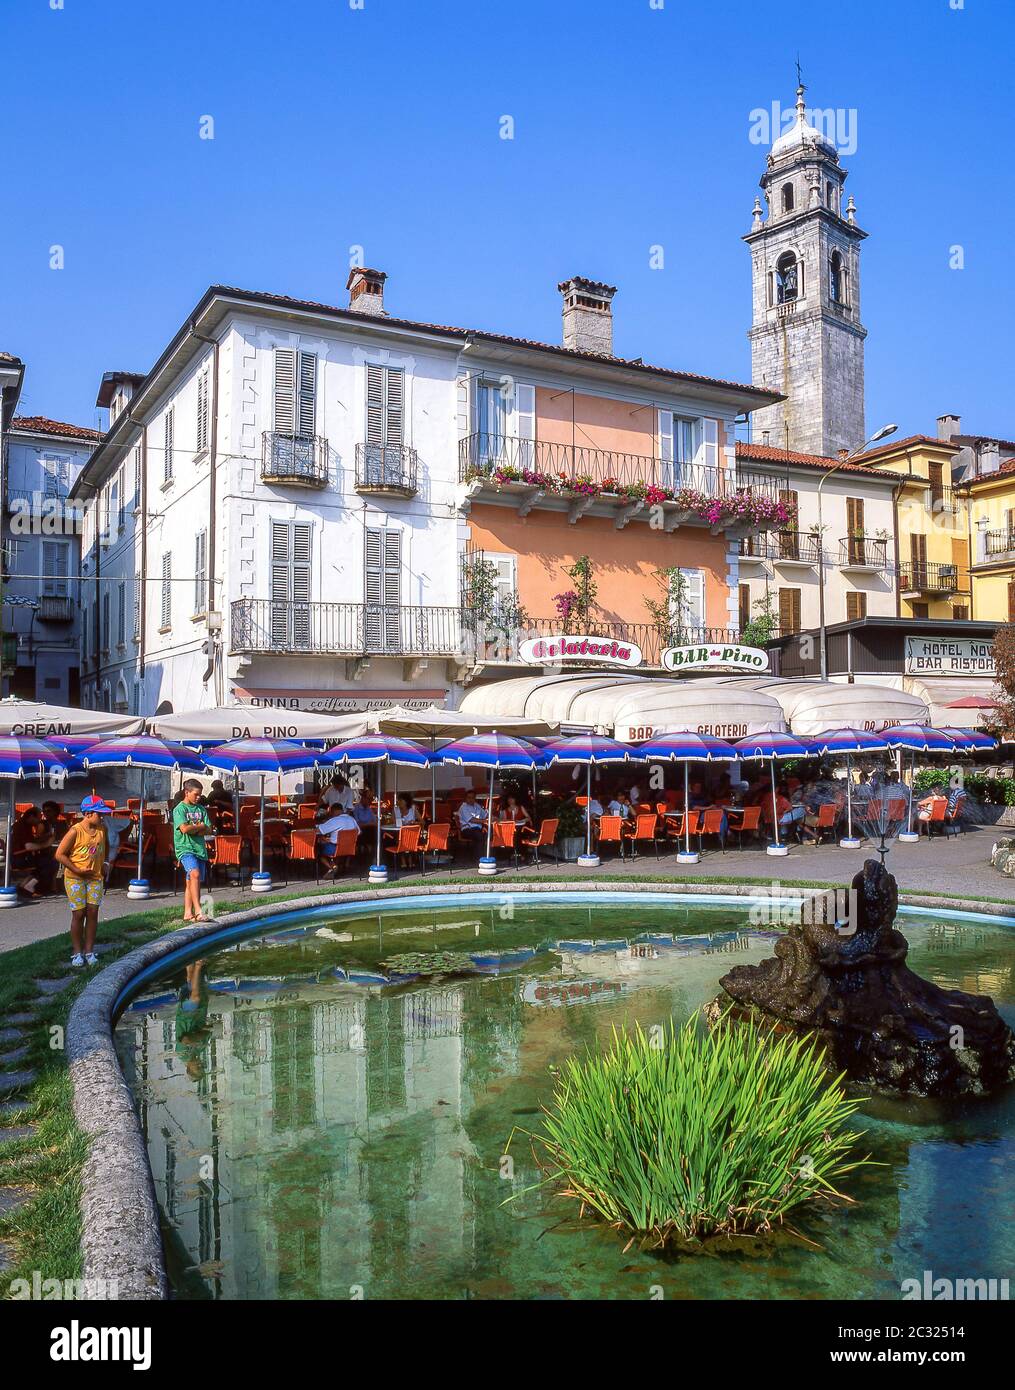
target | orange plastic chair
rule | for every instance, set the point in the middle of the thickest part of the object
(505, 836)
(711, 824)
(226, 851)
(405, 841)
(303, 849)
(346, 845)
(954, 816)
(643, 830)
(547, 836)
(437, 841)
(938, 810)
(20, 807)
(750, 821)
(828, 819)
(611, 832)
(306, 811)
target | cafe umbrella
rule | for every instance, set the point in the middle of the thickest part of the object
(921, 738)
(687, 748)
(590, 750)
(21, 758)
(772, 746)
(376, 749)
(144, 752)
(262, 757)
(848, 742)
(493, 751)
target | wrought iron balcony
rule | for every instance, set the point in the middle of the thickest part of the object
(343, 629)
(788, 547)
(56, 608)
(863, 553)
(568, 468)
(295, 460)
(495, 643)
(387, 468)
(928, 578)
(998, 545)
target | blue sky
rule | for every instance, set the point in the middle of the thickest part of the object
(380, 126)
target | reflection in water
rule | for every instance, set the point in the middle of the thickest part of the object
(312, 1137)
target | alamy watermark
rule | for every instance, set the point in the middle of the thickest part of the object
(838, 124)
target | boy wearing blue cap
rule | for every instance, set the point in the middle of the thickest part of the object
(84, 853)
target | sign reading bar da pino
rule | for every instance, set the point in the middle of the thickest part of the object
(702, 657)
(561, 648)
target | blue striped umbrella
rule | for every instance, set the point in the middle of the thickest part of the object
(494, 751)
(21, 758)
(263, 756)
(142, 751)
(772, 746)
(849, 741)
(919, 738)
(687, 748)
(591, 749)
(971, 740)
(379, 749)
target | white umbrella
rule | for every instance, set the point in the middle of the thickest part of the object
(35, 719)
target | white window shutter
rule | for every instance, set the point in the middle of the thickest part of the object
(666, 436)
(167, 445)
(525, 423)
(285, 391)
(392, 567)
(710, 443)
(202, 411)
(167, 589)
(375, 404)
(394, 432)
(307, 401)
(373, 566)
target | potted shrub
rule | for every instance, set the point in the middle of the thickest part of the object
(570, 831)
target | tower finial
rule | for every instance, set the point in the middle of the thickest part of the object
(800, 89)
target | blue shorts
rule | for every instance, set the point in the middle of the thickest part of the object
(190, 862)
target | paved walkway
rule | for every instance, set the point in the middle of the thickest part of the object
(958, 865)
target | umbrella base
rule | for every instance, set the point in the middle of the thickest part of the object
(378, 873)
(850, 842)
(487, 867)
(260, 883)
(8, 897)
(137, 889)
(588, 861)
(688, 856)
(778, 851)
(907, 837)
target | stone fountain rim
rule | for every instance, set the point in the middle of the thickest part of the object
(121, 1240)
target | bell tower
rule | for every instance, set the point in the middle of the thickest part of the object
(806, 335)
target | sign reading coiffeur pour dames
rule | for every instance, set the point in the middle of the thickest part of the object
(719, 654)
(561, 649)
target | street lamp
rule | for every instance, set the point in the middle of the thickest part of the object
(882, 433)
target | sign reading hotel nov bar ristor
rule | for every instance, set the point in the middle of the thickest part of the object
(699, 658)
(562, 648)
(949, 656)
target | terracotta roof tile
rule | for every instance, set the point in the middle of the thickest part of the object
(39, 424)
(765, 453)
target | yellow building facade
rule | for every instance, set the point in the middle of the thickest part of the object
(932, 528)
(991, 504)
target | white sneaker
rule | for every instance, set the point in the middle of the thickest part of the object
(77, 959)
(91, 958)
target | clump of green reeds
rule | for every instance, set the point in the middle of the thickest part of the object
(688, 1134)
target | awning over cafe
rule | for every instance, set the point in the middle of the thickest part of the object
(33, 719)
(226, 722)
(940, 694)
(816, 706)
(448, 723)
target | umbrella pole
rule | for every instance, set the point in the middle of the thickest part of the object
(687, 805)
(433, 778)
(380, 787)
(775, 806)
(10, 822)
(588, 810)
(260, 864)
(489, 816)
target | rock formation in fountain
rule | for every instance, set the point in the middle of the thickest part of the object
(881, 1024)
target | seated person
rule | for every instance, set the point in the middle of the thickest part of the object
(33, 853)
(339, 794)
(698, 798)
(634, 794)
(471, 817)
(621, 806)
(54, 816)
(327, 836)
(783, 809)
(362, 810)
(405, 811)
(219, 796)
(594, 808)
(926, 807)
(513, 810)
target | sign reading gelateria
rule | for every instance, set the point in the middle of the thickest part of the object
(561, 647)
(726, 654)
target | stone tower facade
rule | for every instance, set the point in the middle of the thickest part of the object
(806, 335)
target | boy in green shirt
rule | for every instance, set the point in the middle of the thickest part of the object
(191, 824)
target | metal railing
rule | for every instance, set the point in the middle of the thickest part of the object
(917, 577)
(998, 544)
(386, 468)
(492, 642)
(871, 552)
(40, 505)
(782, 545)
(483, 455)
(344, 629)
(297, 459)
(56, 608)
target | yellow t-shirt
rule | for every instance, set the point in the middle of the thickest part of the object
(89, 850)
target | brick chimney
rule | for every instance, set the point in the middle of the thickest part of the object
(366, 290)
(588, 315)
(948, 425)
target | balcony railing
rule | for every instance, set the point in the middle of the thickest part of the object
(386, 468)
(507, 458)
(928, 578)
(56, 608)
(998, 545)
(297, 460)
(41, 507)
(494, 643)
(789, 546)
(863, 552)
(344, 629)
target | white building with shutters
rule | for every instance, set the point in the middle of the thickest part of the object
(43, 460)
